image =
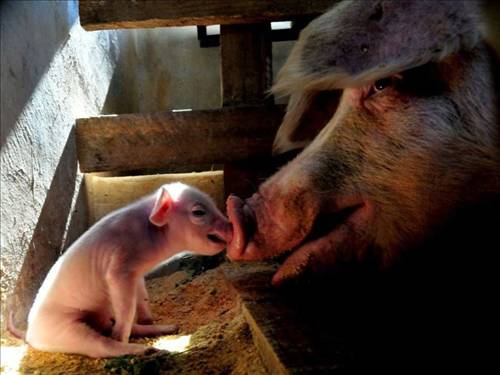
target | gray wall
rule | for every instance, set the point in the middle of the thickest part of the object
(53, 72)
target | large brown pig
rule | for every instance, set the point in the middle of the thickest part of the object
(396, 105)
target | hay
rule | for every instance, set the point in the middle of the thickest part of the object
(213, 335)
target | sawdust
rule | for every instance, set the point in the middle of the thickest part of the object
(210, 322)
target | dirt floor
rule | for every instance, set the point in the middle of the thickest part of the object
(213, 337)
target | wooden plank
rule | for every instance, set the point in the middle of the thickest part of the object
(105, 194)
(269, 356)
(252, 283)
(165, 139)
(120, 14)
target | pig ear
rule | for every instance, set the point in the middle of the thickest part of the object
(159, 214)
(307, 113)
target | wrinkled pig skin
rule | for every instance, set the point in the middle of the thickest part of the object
(413, 138)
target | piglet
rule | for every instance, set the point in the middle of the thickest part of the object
(94, 298)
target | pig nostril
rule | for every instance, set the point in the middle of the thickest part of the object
(249, 221)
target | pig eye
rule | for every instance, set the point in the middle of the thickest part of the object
(383, 83)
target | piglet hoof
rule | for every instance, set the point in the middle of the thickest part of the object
(120, 335)
(151, 350)
(133, 349)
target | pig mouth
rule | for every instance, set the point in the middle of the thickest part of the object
(324, 230)
(327, 222)
(316, 251)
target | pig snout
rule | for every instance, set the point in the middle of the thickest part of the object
(243, 223)
(268, 224)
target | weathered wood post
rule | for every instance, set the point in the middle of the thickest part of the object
(246, 76)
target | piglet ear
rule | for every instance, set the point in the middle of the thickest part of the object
(159, 214)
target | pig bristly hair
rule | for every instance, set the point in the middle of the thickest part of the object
(360, 41)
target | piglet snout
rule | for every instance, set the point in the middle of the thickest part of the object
(222, 233)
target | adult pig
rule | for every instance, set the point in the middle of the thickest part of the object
(396, 104)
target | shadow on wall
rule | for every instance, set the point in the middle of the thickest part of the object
(27, 62)
(50, 236)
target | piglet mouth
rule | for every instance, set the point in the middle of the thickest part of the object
(216, 238)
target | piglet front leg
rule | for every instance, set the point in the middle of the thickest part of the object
(123, 296)
(144, 315)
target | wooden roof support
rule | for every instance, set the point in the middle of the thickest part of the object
(246, 76)
(120, 14)
(246, 64)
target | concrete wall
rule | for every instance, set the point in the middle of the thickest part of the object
(53, 72)
(170, 71)
(159, 69)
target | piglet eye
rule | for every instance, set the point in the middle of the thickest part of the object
(198, 212)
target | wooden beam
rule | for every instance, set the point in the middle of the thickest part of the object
(246, 64)
(166, 139)
(246, 76)
(120, 14)
(105, 194)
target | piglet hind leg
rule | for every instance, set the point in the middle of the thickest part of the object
(140, 330)
(145, 326)
(79, 338)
